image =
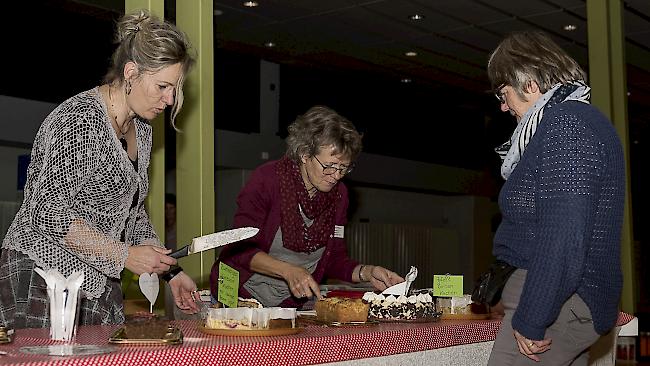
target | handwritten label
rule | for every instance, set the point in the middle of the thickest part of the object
(447, 285)
(339, 231)
(228, 285)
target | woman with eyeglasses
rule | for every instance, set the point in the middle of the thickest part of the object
(561, 205)
(300, 205)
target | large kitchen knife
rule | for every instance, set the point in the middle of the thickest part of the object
(215, 240)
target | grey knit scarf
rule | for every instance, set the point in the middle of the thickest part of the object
(512, 150)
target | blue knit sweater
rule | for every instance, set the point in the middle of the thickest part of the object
(562, 210)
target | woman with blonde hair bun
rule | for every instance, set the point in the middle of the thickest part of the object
(83, 207)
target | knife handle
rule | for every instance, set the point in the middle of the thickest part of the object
(184, 251)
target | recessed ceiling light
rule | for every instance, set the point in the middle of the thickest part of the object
(416, 17)
(570, 27)
(405, 80)
(251, 4)
(269, 44)
(411, 53)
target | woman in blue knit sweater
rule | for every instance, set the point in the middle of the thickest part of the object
(562, 207)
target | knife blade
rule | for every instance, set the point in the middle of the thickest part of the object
(215, 240)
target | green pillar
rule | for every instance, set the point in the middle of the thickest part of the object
(195, 144)
(156, 199)
(609, 94)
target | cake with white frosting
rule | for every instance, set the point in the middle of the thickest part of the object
(461, 305)
(391, 307)
(246, 318)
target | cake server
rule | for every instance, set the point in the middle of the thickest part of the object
(402, 288)
(215, 240)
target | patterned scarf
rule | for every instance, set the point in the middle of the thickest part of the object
(512, 150)
(296, 235)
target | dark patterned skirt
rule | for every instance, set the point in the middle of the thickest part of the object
(24, 300)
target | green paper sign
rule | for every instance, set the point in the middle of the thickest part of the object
(447, 285)
(228, 285)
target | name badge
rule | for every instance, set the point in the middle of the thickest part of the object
(339, 231)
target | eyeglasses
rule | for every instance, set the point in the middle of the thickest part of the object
(331, 169)
(500, 94)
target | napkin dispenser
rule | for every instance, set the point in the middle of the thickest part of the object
(63, 294)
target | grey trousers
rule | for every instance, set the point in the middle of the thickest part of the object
(572, 333)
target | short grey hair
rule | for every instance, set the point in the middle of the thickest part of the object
(321, 126)
(528, 56)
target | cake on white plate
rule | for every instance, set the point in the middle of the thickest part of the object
(246, 318)
(459, 305)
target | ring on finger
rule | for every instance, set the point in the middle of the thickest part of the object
(531, 344)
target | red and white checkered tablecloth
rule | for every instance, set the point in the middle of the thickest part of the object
(316, 344)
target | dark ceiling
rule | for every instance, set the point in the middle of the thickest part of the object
(457, 120)
(452, 41)
(349, 54)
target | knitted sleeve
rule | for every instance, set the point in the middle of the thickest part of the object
(71, 149)
(569, 165)
(144, 232)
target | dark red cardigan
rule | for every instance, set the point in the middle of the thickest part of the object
(259, 206)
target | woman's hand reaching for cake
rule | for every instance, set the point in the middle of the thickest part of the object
(183, 290)
(300, 281)
(380, 277)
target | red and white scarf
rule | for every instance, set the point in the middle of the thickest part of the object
(296, 235)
